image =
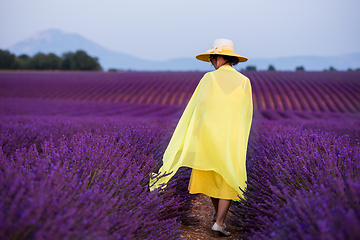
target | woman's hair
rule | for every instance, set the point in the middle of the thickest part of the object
(229, 59)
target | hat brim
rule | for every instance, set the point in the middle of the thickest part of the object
(205, 56)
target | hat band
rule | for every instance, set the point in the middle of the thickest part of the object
(225, 49)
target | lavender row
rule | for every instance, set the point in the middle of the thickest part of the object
(86, 185)
(52, 166)
(92, 110)
(126, 87)
(305, 91)
(302, 184)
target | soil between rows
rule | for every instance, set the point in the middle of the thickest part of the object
(200, 228)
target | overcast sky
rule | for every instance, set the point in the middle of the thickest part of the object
(167, 29)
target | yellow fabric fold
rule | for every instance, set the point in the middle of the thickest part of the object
(213, 131)
(211, 184)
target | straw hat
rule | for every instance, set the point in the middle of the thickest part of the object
(221, 47)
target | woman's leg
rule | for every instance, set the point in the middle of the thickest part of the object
(215, 202)
(223, 208)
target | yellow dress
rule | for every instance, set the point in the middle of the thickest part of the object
(212, 134)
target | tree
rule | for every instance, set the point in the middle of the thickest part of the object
(54, 62)
(79, 61)
(66, 61)
(7, 60)
(82, 61)
(38, 62)
(251, 68)
(42, 61)
(300, 68)
(22, 62)
(332, 68)
(24, 57)
(271, 68)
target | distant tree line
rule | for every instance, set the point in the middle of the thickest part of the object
(40, 61)
(272, 68)
(253, 68)
(299, 68)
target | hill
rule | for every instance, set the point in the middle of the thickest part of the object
(58, 42)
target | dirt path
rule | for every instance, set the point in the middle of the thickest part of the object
(202, 211)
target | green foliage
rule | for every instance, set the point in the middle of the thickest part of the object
(7, 60)
(251, 68)
(24, 57)
(53, 61)
(66, 61)
(300, 68)
(79, 61)
(22, 62)
(271, 68)
(69, 61)
(41, 61)
(82, 61)
(38, 61)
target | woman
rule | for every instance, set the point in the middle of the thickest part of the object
(212, 134)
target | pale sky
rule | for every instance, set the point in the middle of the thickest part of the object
(168, 29)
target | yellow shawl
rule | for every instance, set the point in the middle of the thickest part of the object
(213, 131)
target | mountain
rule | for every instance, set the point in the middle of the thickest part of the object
(59, 42)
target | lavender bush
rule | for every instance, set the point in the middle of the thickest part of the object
(75, 161)
(79, 178)
(93, 185)
(18, 132)
(302, 184)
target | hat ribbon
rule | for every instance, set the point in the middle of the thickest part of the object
(215, 50)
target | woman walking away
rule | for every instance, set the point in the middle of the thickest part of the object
(212, 134)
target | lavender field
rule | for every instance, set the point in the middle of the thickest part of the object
(77, 150)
